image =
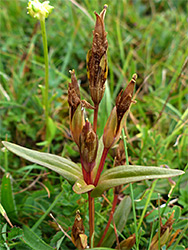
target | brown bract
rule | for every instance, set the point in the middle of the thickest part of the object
(123, 100)
(75, 108)
(78, 237)
(97, 68)
(73, 94)
(165, 233)
(118, 115)
(88, 146)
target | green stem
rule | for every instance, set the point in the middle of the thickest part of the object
(6, 160)
(131, 189)
(91, 220)
(146, 204)
(159, 225)
(45, 47)
(110, 219)
(91, 212)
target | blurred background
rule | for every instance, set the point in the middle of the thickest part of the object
(147, 37)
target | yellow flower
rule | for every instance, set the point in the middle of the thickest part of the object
(39, 10)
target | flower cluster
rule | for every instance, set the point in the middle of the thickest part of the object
(39, 10)
(83, 133)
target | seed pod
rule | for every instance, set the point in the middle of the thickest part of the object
(76, 114)
(118, 115)
(88, 145)
(97, 68)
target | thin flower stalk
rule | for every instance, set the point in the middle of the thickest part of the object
(101, 165)
(45, 48)
(115, 200)
(41, 11)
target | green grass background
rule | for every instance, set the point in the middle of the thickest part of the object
(145, 37)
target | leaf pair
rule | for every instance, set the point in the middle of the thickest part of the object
(73, 173)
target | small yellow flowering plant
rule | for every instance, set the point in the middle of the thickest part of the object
(39, 10)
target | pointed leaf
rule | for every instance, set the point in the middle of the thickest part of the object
(68, 169)
(98, 157)
(34, 241)
(81, 187)
(120, 218)
(7, 198)
(126, 174)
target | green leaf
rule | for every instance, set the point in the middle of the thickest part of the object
(7, 198)
(34, 241)
(120, 218)
(51, 130)
(68, 169)
(15, 233)
(81, 187)
(98, 157)
(126, 174)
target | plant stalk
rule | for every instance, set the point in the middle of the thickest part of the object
(91, 213)
(101, 165)
(110, 219)
(45, 47)
(91, 220)
(95, 118)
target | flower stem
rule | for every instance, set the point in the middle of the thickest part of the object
(91, 219)
(109, 220)
(45, 47)
(91, 213)
(101, 165)
(95, 118)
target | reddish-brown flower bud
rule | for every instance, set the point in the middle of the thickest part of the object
(75, 111)
(118, 115)
(88, 147)
(97, 68)
(78, 237)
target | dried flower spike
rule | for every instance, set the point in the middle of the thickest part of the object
(118, 115)
(97, 68)
(75, 108)
(78, 237)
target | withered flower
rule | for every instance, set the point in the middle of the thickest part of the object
(165, 233)
(78, 237)
(75, 108)
(97, 68)
(128, 243)
(118, 115)
(88, 146)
